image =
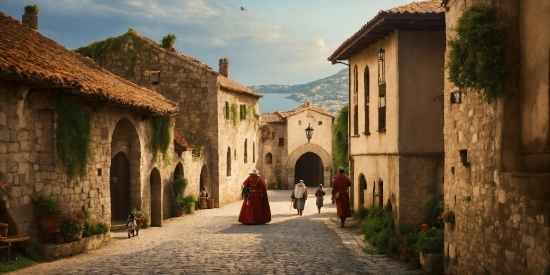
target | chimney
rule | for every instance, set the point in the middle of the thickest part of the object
(224, 67)
(30, 17)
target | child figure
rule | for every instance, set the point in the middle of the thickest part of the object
(131, 224)
(139, 221)
(320, 193)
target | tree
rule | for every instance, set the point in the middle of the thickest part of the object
(340, 141)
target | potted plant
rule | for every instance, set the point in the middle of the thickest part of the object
(47, 212)
(189, 202)
(73, 225)
(430, 245)
(178, 187)
(448, 216)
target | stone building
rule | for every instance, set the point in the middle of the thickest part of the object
(497, 155)
(37, 75)
(217, 116)
(287, 155)
(396, 109)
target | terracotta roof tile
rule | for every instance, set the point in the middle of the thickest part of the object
(26, 55)
(236, 87)
(425, 15)
(280, 116)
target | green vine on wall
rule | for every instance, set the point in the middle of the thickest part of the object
(73, 135)
(227, 110)
(476, 57)
(340, 140)
(160, 141)
(234, 113)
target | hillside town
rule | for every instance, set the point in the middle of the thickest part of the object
(126, 152)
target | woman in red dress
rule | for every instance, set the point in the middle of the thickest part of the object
(340, 185)
(255, 208)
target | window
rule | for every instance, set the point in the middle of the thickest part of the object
(268, 158)
(381, 90)
(253, 152)
(320, 122)
(228, 160)
(281, 142)
(245, 151)
(354, 98)
(227, 110)
(242, 110)
(367, 99)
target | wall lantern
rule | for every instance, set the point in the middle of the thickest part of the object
(456, 97)
(381, 54)
(309, 132)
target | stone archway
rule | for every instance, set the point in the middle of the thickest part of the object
(155, 184)
(125, 178)
(178, 172)
(324, 156)
(309, 168)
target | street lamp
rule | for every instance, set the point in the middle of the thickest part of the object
(309, 132)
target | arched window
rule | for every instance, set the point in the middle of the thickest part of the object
(268, 158)
(367, 100)
(228, 161)
(245, 151)
(355, 99)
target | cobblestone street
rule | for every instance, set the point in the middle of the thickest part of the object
(213, 242)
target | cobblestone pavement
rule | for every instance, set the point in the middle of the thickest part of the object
(213, 242)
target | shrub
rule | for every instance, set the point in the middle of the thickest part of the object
(361, 212)
(383, 239)
(46, 204)
(189, 203)
(31, 9)
(168, 41)
(431, 240)
(433, 209)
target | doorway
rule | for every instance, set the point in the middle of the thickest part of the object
(156, 198)
(309, 168)
(120, 187)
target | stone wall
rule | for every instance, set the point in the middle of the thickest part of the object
(502, 208)
(29, 161)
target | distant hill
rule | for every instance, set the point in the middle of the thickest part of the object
(329, 93)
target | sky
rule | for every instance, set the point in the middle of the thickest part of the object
(284, 42)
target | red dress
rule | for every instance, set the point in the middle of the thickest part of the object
(255, 208)
(340, 184)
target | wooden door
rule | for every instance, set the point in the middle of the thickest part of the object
(120, 187)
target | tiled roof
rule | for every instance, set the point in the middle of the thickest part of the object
(421, 16)
(39, 62)
(235, 87)
(281, 116)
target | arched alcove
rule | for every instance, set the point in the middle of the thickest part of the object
(309, 168)
(362, 188)
(155, 184)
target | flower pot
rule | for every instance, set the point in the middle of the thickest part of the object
(403, 257)
(4, 229)
(415, 262)
(210, 203)
(49, 223)
(394, 255)
(177, 212)
(432, 263)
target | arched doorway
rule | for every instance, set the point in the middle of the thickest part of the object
(125, 177)
(120, 187)
(156, 198)
(362, 189)
(309, 168)
(204, 180)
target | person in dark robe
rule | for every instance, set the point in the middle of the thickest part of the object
(255, 208)
(340, 185)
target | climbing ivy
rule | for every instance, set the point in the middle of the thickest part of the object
(73, 135)
(476, 57)
(227, 110)
(161, 135)
(340, 141)
(234, 113)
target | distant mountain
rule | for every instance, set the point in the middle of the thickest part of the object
(329, 93)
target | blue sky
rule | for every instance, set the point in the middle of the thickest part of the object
(272, 42)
